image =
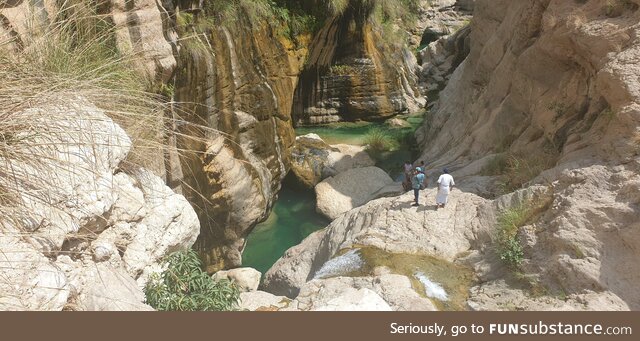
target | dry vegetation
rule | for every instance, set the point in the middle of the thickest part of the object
(69, 62)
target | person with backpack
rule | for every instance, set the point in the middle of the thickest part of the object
(416, 182)
(445, 182)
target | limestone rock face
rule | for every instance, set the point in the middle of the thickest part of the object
(436, 19)
(262, 301)
(441, 57)
(526, 86)
(555, 77)
(350, 189)
(237, 80)
(380, 292)
(139, 27)
(90, 233)
(353, 73)
(312, 160)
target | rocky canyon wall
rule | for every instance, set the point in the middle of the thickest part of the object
(541, 73)
(237, 80)
(553, 85)
(355, 72)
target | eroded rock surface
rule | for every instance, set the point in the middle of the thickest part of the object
(86, 234)
(313, 160)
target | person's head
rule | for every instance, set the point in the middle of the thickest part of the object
(445, 171)
(418, 170)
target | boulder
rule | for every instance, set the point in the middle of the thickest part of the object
(353, 300)
(28, 279)
(349, 189)
(247, 279)
(105, 288)
(397, 123)
(338, 294)
(312, 160)
(379, 292)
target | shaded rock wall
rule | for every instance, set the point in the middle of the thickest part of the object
(353, 73)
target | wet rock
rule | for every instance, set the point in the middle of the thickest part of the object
(390, 224)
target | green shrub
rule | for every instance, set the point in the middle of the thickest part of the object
(379, 140)
(183, 286)
(508, 246)
(516, 169)
(341, 70)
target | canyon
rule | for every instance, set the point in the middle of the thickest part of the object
(534, 107)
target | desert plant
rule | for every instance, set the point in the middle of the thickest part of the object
(67, 62)
(184, 286)
(378, 140)
(508, 246)
(516, 169)
(341, 70)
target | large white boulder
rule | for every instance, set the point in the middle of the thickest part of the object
(247, 279)
(313, 160)
(349, 189)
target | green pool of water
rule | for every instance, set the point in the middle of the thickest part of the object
(356, 132)
(292, 219)
(294, 216)
(337, 133)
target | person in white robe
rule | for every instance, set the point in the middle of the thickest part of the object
(445, 182)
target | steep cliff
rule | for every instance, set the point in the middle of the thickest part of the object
(238, 80)
(355, 72)
(549, 94)
(541, 75)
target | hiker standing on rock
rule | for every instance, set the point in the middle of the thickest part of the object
(445, 182)
(416, 182)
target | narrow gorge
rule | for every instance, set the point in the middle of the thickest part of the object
(133, 130)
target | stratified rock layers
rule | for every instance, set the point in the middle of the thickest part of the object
(237, 81)
(354, 73)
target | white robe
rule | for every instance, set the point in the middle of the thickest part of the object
(445, 181)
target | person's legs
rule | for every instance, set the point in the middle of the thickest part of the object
(416, 194)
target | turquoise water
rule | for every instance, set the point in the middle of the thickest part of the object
(292, 219)
(294, 215)
(346, 133)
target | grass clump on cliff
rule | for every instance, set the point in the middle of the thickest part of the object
(516, 169)
(184, 286)
(291, 19)
(509, 222)
(508, 246)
